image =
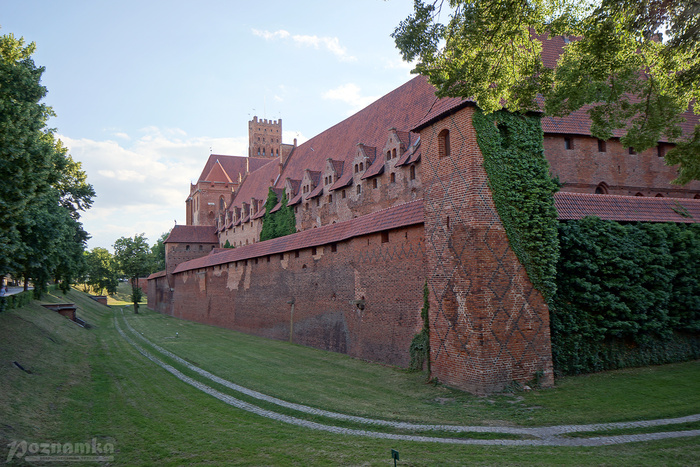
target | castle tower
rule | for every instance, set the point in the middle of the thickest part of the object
(488, 325)
(264, 137)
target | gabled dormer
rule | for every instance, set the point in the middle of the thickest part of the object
(310, 181)
(364, 157)
(332, 172)
(396, 144)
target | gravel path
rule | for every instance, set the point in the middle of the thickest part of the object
(548, 436)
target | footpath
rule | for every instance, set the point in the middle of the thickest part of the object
(543, 436)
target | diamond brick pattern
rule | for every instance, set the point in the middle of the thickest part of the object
(489, 326)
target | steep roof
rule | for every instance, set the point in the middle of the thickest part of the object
(218, 174)
(256, 183)
(397, 216)
(627, 208)
(232, 165)
(192, 234)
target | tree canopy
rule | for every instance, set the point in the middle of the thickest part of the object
(43, 190)
(633, 66)
(134, 260)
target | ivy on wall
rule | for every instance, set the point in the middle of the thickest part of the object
(420, 344)
(279, 223)
(628, 295)
(522, 190)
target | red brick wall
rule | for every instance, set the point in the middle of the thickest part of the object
(583, 167)
(488, 325)
(160, 294)
(252, 296)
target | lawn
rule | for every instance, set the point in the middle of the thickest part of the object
(91, 384)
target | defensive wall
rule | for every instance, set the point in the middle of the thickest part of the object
(354, 287)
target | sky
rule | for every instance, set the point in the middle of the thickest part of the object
(145, 90)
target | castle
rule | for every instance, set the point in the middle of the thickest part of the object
(392, 198)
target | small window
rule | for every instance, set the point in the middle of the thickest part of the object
(412, 172)
(268, 259)
(393, 153)
(359, 189)
(330, 198)
(632, 151)
(357, 169)
(375, 184)
(318, 202)
(362, 167)
(601, 189)
(659, 195)
(256, 260)
(639, 194)
(187, 248)
(392, 177)
(661, 150)
(296, 254)
(388, 155)
(334, 247)
(343, 194)
(385, 237)
(201, 248)
(568, 142)
(601, 145)
(313, 251)
(444, 143)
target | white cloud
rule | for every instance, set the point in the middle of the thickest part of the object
(141, 185)
(350, 94)
(332, 44)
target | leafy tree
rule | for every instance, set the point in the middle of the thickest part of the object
(635, 66)
(158, 252)
(43, 189)
(134, 260)
(101, 272)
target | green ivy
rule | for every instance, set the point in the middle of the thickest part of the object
(628, 295)
(420, 345)
(522, 190)
(279, 223)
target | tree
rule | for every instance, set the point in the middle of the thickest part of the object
(158, 252)
(101, 271)
(633, 66)
(134, 260)
(43, 189)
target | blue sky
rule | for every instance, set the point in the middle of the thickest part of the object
(143, 90)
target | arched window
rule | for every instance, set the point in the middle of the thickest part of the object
(639, 194)
(362, 167)
(388, 155)
(359, 189)
(222, 204)
(187, 248)
(393, 177)
(356, 168)
(393, 153)
(601, 189)
(444, 143)
(412, 172)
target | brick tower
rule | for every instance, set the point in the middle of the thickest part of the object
(488, 325)
(264, 137)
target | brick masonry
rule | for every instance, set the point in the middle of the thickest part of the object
(362, 299)
(488, 325)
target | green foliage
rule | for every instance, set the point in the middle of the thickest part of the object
(134, 260)
(228, 244)
(279, 223)
(101, 271)
(158, 252)
(420, 344)
(523, 191)
(43, 189)
(616, 69)
(627, 295)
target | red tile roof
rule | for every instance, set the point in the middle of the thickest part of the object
(627, 208)
(218, 174)
(232, 165)
(256, 183)
(156, 275)
(386, 219)
(192, 234)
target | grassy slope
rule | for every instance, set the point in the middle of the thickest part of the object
(91, 383)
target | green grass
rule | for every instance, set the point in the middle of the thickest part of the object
(88, 384)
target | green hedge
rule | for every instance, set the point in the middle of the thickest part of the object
(627, 295)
